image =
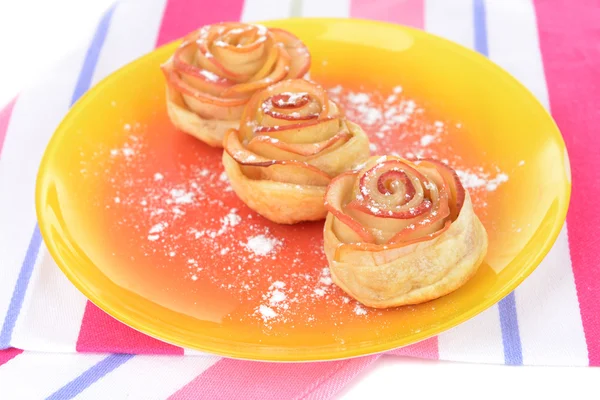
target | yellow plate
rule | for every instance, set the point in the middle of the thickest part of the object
(139, 218)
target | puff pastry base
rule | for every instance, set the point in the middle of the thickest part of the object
(210, 131)
(283, 203)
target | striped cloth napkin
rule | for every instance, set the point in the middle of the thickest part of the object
(553, 318)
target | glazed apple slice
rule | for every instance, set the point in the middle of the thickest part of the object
(279, 72)
(337, 191)
(257, 167)
(269, 62)
(255, 110)
(386, 200)
(380, 195)
(332, 156)
(436, 215)
(308, 132)
(289, 108)
(204, 104)
(457, 190)
(240, 46)
(297, 50)
(396, 202)
(278, 150)
(198, 78)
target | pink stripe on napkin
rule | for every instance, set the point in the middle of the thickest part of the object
(571, 59)
(183, 16)
(101, 333)
(407, 12)
(5, 114)
(426, 349)
(272, 381)
(8, 354)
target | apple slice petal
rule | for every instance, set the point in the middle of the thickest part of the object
(279, 150)
(407, 200)
(297, 50)
(198, 78)
(242, 59)
(301, 133)
(257, 167)
(457, 191)
(233, 146)
(279, 72)
(333, 156)
(206, 60)
(268, 64)
(241, 66)
(202, 103)
(335, 197)
(261, 101)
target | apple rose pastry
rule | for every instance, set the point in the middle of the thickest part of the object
(400, 232)
(291, 142)
(216, 69)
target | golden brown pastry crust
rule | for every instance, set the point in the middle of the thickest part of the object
(215, 71)
(210, 131)
(280, 202)
(386, 272)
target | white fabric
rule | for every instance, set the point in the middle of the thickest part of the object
(452, 20)
(263, 10)
(54, 310)
(38, 375)
(156, 378)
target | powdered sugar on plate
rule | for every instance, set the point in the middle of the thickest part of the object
(184, 222)
(291, 295)
(266, 312)
(389, 118)
(471, 180)
(360, 310)
(261, 245)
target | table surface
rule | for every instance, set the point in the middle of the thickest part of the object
(62, 23)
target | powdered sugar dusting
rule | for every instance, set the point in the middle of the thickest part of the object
(426, 140)
(473, 180)
(495, 182)
(266, 312)
(262, 245)
(361, 103)
(390, 117)
(158, 227)
(470, 180)
(359, 310)
(288, 298)
(180, 196)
